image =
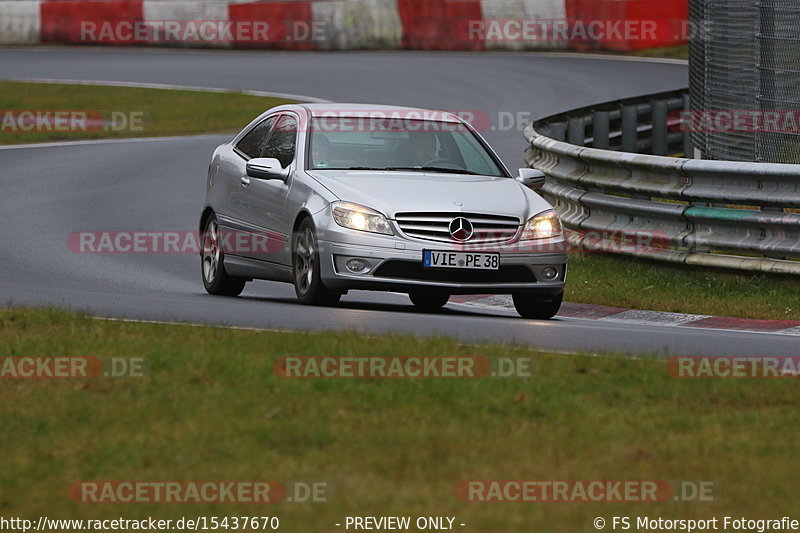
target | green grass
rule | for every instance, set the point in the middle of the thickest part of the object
(628, 282)
(160, 112)
(667, 52)
(672, 52)
(212, 409)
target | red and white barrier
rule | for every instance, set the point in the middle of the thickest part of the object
(652, 23)
(350, 24)
(441, 25)
(78, 21)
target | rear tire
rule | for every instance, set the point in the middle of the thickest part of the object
(212, 263)
(429, 300)
(530, 306)
(308, 284)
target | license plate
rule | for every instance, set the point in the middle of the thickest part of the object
(474, 261)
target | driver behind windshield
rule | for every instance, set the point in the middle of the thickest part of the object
(422, 149)
(321, 150)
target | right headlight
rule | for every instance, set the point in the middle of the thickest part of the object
(543, 226)
(358, 217)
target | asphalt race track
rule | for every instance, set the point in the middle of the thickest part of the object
(51, 191)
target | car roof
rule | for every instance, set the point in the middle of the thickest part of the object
(389, 111)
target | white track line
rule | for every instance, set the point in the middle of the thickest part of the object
(644, 318)
(112, 141)
(612, 57)
(195, 325)
(335, 332)
(288, 96)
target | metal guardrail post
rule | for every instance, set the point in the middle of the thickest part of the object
(659, 132)
(600, 130)
(630, 128)
(576, 133)
(688, 147)
(558, 131)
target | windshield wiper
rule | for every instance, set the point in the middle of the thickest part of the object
(443, 170)
(347, 168)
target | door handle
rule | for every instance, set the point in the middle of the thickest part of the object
(245, 181)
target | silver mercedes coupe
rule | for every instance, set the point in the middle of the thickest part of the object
(333, 197)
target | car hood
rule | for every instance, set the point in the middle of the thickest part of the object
(399, 192)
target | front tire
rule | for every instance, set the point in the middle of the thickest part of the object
(215, 279)
(308, 284)
(529, 306)
(429, 300)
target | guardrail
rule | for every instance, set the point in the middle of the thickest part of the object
(691, 211)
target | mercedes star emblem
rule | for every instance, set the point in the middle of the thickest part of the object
(461, 229)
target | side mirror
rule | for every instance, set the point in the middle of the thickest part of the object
(531, 178)
(266, 168)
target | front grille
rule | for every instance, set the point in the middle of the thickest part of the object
(435, 226)
(412, 270)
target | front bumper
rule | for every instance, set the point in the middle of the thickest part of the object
(395, 264)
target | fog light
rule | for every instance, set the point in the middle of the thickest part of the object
(357, 265)
(550, 273)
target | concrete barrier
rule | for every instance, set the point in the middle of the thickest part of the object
(339, 24)
(185, 10)
(512, 10)
(20, 22)
(357, 24)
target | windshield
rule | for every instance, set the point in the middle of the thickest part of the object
(354, 143)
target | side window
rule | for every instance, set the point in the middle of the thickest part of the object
(251, 144)
(282, 142)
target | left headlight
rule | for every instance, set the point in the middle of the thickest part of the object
(543, 226)
(358, 217)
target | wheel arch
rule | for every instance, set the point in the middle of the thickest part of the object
(301, 216)
(207, 213)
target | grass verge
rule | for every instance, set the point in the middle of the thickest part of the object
(629, 282)
(121, 112)
(680, 51)
(211, 408)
